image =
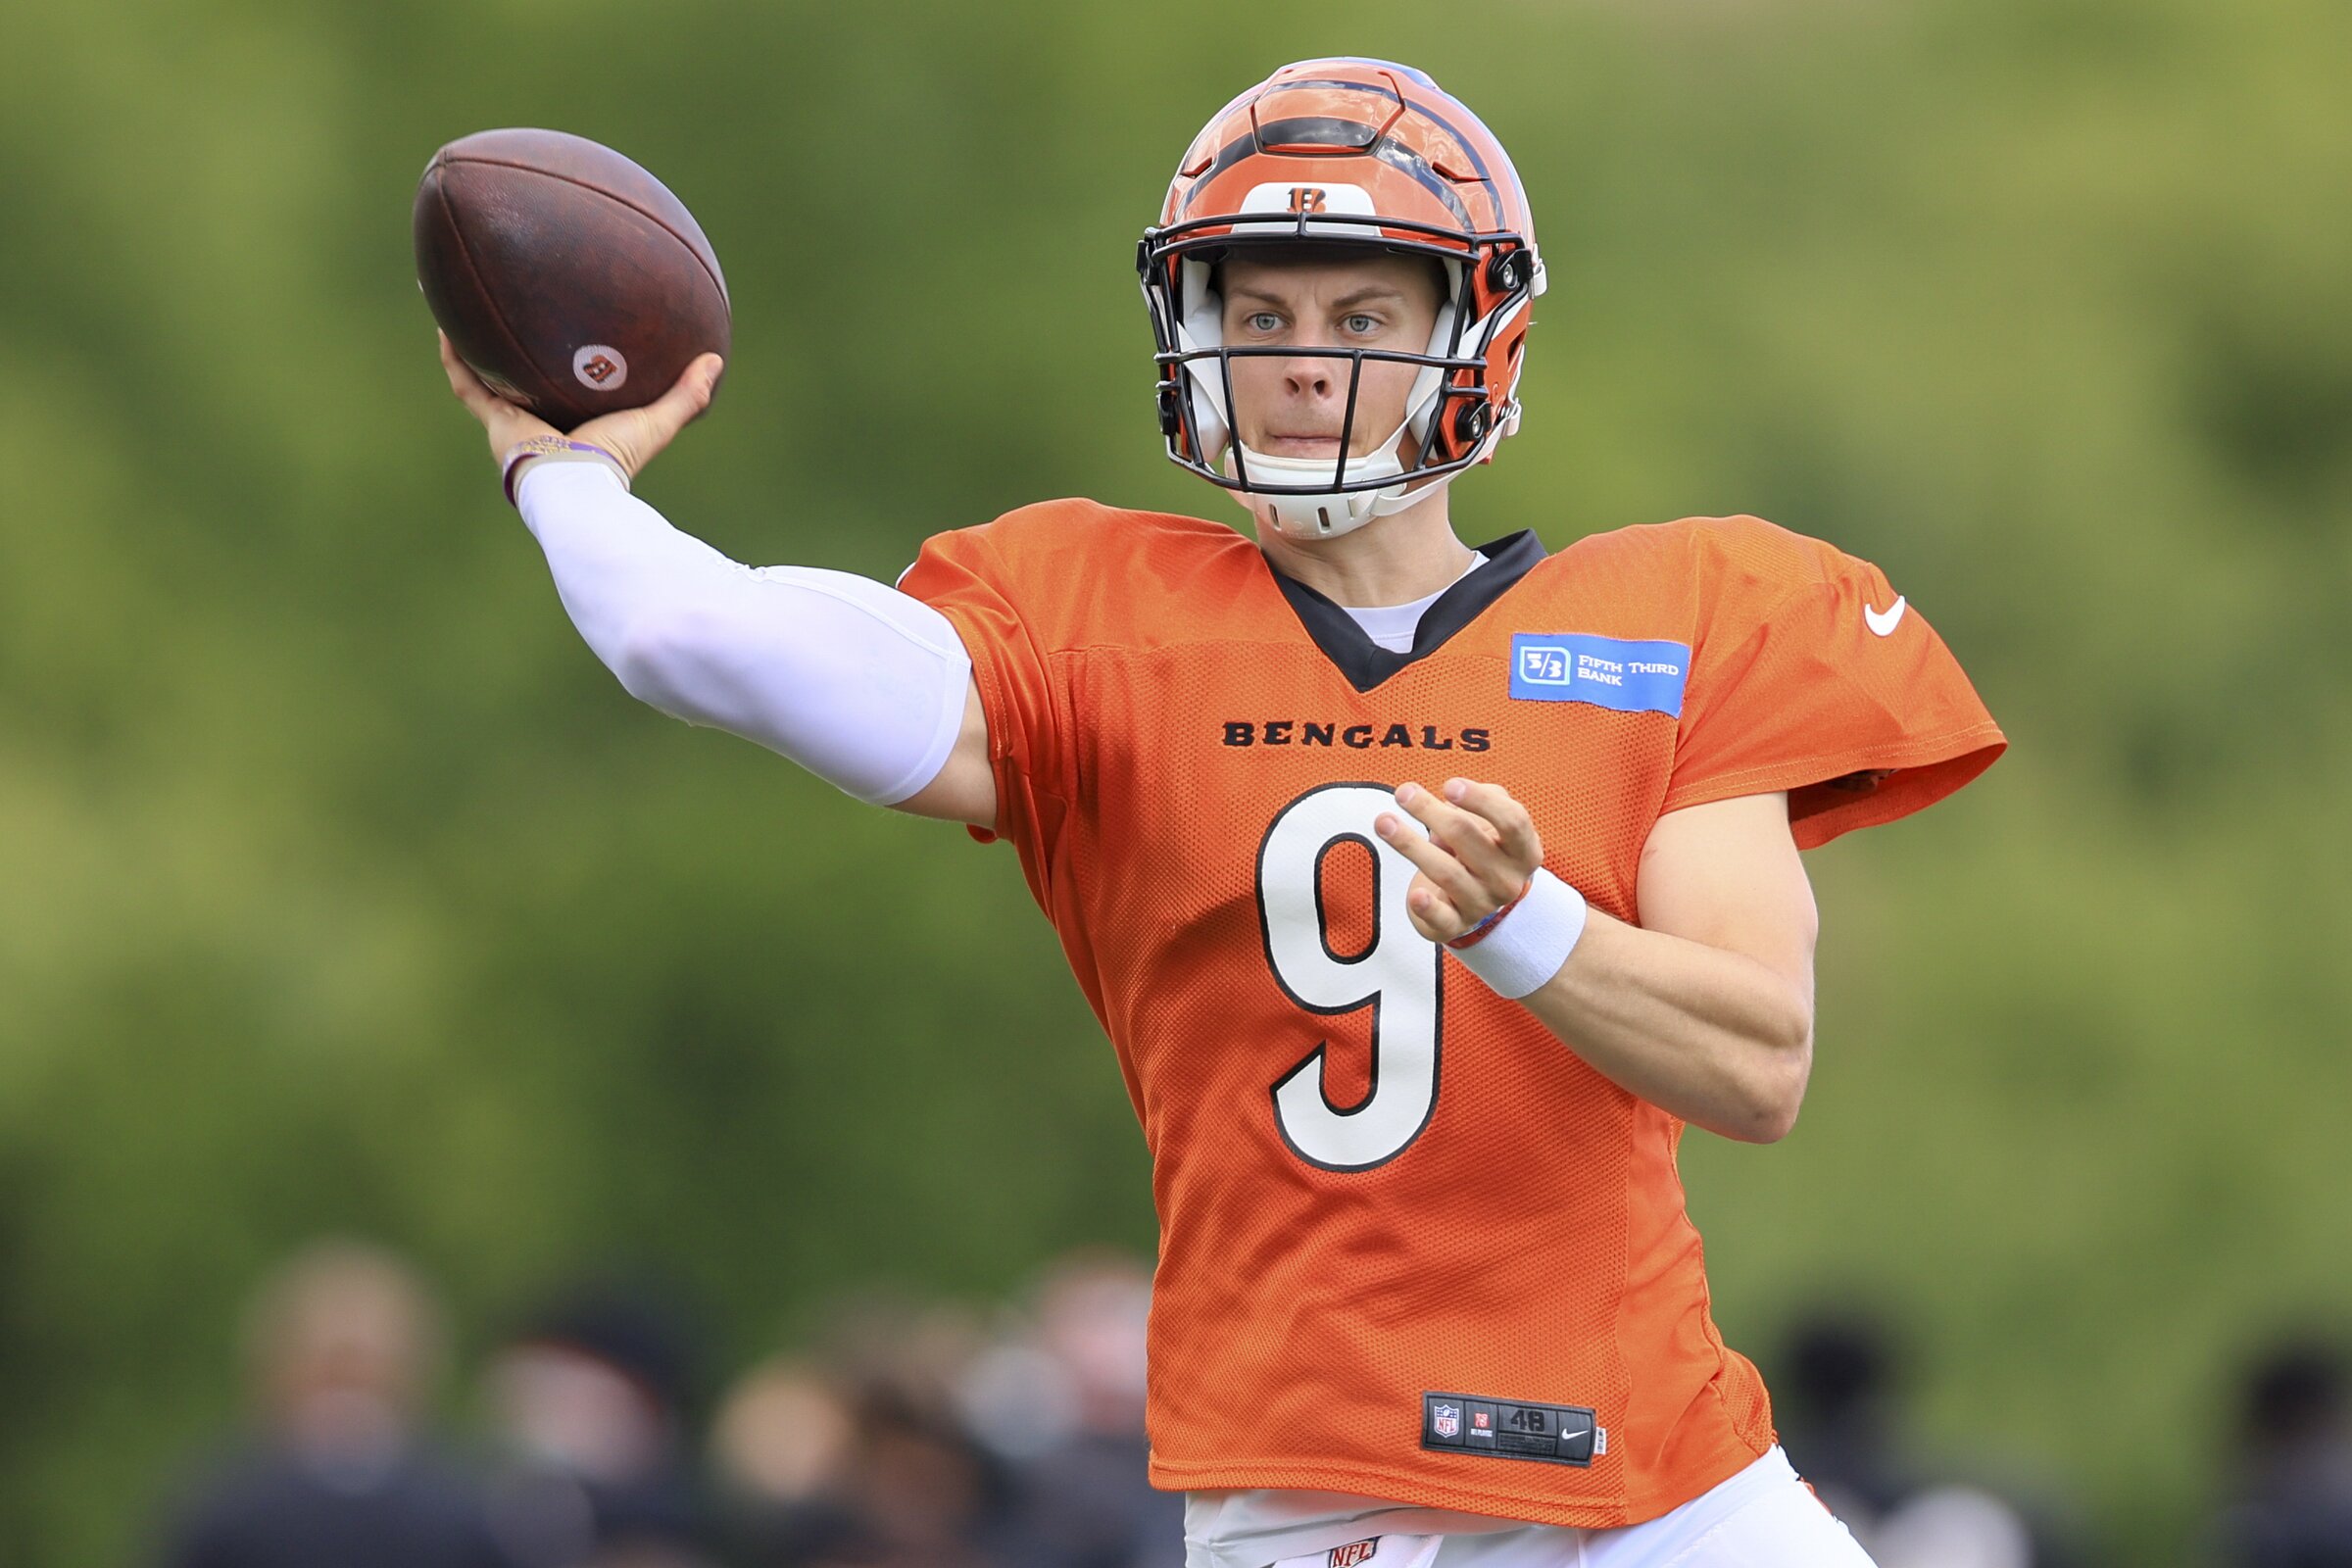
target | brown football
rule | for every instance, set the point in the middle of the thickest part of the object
(570, 279)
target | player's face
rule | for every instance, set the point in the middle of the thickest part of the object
(1295, 405)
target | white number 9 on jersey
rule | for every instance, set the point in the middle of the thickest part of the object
(1397, 976)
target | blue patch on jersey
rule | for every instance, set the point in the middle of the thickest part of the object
(1632, 677)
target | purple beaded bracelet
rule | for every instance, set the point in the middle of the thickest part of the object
(553, 446)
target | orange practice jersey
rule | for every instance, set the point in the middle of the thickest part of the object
(1411, 1246)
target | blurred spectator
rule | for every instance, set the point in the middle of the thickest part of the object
(2295, 1505)
(590, 1402)
(341, 1346)
(1834, 1398)
(917, 1440)
(919, 1484)
(1065, 1404)
(925, 1494)
(781, 1447)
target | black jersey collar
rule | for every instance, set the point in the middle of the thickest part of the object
(1364, 661)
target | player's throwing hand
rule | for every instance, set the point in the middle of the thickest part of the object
(1480, 850)
(633, 436)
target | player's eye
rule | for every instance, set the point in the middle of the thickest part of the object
(1360, 325)
(1264, 321)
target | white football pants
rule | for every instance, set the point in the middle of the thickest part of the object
(1763, 1517)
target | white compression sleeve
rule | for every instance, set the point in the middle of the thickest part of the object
(856, 682)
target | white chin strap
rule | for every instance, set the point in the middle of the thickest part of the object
(1328, 515)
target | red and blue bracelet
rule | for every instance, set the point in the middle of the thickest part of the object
(1478, 933)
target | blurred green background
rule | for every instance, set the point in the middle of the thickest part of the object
(344, 890)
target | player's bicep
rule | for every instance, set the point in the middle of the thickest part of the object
(1728, 874)
(965, 787)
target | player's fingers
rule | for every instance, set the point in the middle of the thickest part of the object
(688, 396)
(660, 420)
(1471, 838)
(1433, 913)
(1514, 827)
(502, 421)
(467, 386)
(1450, 874)
(636, 436)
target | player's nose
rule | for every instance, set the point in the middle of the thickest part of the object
(1311, 376)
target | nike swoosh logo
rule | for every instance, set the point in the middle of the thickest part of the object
(1883, 621)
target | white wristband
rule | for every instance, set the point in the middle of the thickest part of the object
(1528, 946)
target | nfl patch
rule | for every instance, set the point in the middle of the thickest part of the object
(1356, 1551)
(1510, 1429)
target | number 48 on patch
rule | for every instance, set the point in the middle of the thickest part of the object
(1510, 1429)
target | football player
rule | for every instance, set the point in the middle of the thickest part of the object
(1426, 891)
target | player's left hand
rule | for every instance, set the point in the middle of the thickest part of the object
(1482, 848)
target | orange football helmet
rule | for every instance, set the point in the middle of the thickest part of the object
(1350, 153)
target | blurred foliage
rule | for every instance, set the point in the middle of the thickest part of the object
(344, 890)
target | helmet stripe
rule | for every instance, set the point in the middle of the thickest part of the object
(1468, 145)
(1327, 132)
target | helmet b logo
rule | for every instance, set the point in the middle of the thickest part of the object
(1306, 198)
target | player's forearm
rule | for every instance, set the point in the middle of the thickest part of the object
(618, 567)
(1714, 1036)
(856, 682)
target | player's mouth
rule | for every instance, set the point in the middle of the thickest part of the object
(1301, 446)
